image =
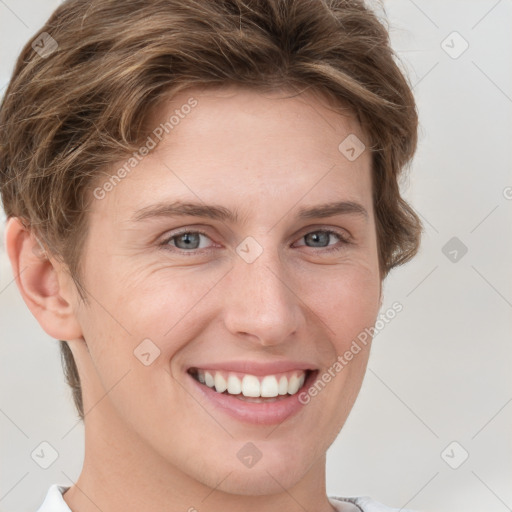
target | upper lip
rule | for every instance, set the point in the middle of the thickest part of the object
(255, 368)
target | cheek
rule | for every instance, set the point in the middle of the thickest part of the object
(346, 298)
(137, 298)
(347, 302)
(139, 320)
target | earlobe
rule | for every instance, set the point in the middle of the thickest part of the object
(41, 282)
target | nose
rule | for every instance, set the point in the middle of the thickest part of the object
(260, 304)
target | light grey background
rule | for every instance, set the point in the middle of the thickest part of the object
(440, 371)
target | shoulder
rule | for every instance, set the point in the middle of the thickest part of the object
(361, 504)
(54, 501)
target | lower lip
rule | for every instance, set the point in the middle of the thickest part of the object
(264, 413)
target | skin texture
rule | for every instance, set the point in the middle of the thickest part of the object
(151, 442)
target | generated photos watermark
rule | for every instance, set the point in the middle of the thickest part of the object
(344, 359)
(151, 142)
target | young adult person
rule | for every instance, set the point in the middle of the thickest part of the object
(203, 202)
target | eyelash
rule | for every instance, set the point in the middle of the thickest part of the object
(344, 239)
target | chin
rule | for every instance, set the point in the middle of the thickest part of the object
(260, 482)
(274, 471)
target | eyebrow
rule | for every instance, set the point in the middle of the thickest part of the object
(217, 212)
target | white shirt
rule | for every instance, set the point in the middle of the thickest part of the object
(54, 502)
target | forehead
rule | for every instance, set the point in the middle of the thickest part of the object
(233, 106)
(245, 145)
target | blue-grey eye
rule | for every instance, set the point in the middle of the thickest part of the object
(187, 240)
(318, 238)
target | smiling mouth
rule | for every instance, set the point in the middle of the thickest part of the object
(252, 388)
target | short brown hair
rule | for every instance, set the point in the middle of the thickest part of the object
(68, 116)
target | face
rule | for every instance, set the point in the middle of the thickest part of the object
(259, 287)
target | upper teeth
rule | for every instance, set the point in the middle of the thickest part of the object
(252, 386)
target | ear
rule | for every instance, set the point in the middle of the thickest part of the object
(44, 284)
